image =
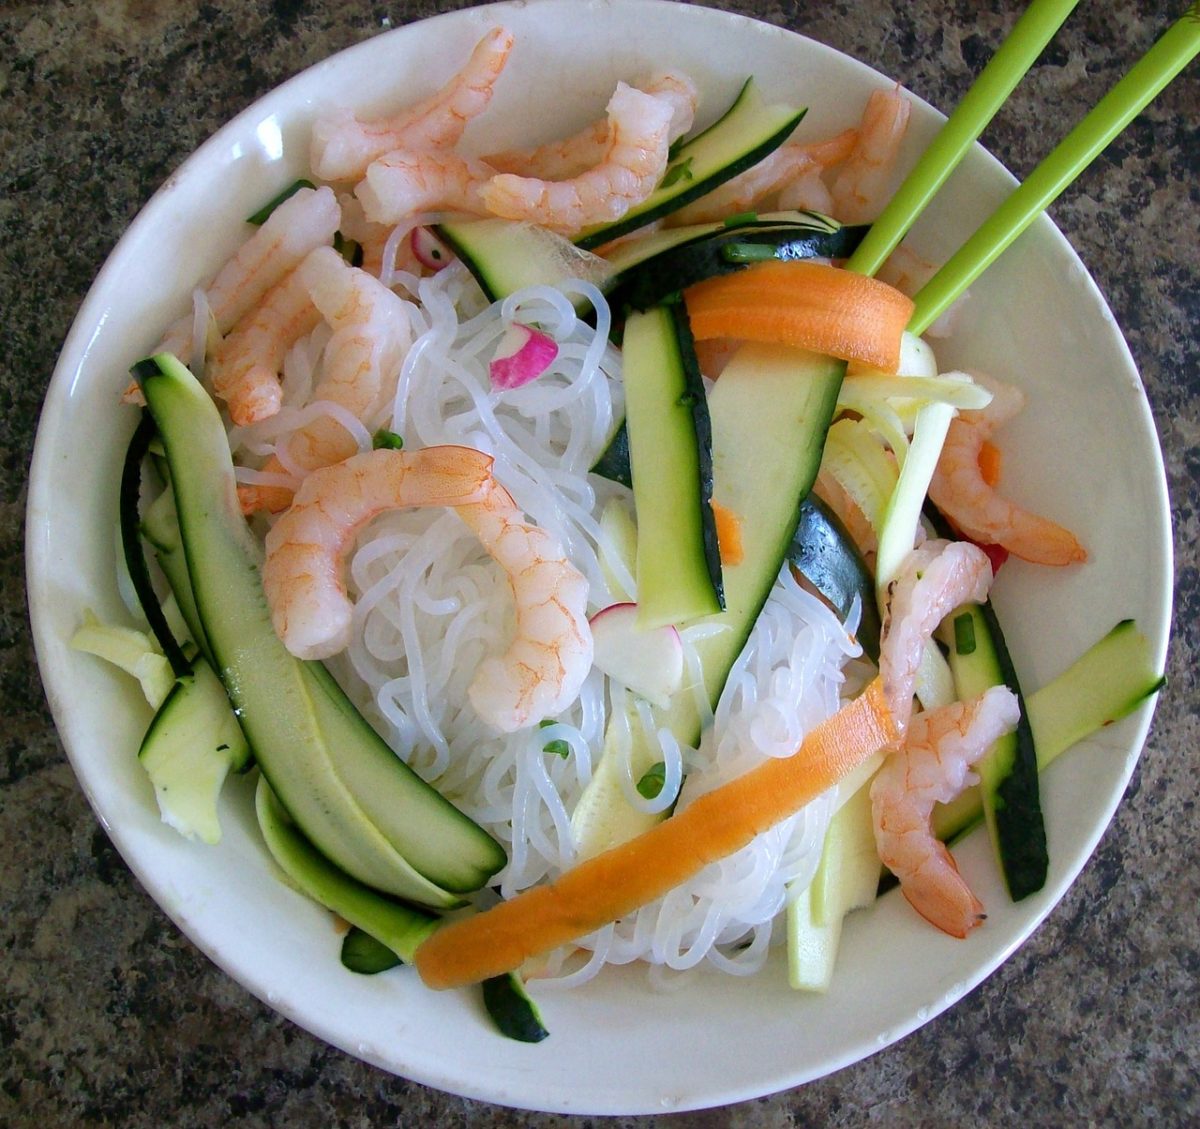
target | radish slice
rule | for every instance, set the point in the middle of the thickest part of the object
(429, 250)
(647, 661)
(522, 355)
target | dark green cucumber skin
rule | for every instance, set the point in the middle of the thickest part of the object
(667, 273)
(702, 425)
(1016, 804)
(639, 217)
(361, 953)
(825, 553)
(131, 543)
(511, 1009)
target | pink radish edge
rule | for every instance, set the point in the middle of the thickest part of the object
(522, 355)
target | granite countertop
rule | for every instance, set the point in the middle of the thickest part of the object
(109, 1015)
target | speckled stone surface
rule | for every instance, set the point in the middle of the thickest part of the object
(109, 1016)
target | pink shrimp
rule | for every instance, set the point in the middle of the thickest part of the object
(858, 189)
(372, 331)
(247, 363)
(634, 161)
(557, 160)
(551, 652)
(343, 145)
(787, 165)
(307, 219)
(975, 508)
(931, 582)
(302, 574)
(402, 183)
(933, 766)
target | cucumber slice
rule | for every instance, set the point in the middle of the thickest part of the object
(743, 136)
(1008, 773)
(361, 953)
(512, 1010)
(1106, 683)
(309, 744)
(770, 412)
(397, 926)
(670, 444)
(192, 744)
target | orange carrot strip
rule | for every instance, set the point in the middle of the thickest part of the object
(807, 305)
(989, 462)
(729, 534)
(612, 885)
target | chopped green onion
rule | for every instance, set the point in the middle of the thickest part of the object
(559, 748)
(387, 440)
(264, 213)
(748, 252)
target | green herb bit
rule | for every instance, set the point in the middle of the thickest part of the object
(387, 440)
(748, 252)
(264, 213)
(652, 782)
(676, 173)
(558, 747)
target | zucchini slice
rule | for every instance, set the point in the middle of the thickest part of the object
(748, 131)
(670, 448)
(512, 1010)
(330, 770)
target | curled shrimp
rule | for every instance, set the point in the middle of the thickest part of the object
(635, 157)
(343, 145)
(247, 363)
(302, 574)
(933, 766)
(931, 582)
(958, 489)
(551, 652)
(858, 188)
(372, 331)
(557, 160)
(774, 173)
(307, 219)
(406, 181)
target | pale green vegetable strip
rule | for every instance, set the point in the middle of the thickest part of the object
(1177, 47)
(995, 83)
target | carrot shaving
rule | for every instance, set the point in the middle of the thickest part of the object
(729, 534)
(614, 884)
(807, 305)
(989, 462)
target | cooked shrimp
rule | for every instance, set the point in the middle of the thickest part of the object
(931, 582)
(302, 574)
(343, 146)
(634, 160)
(960, 492)
(933, 766)
(307, 219)
(372, 331)
(788, 164)
(568, 157)
(247, 363)
(407, 181)
(858, 188)
(551, 653)
(808, 192)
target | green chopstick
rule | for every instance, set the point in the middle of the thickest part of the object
(987, 94)
(1177, 47)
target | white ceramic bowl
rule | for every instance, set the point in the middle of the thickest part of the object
(1036, 319)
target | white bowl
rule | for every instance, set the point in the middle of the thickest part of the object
(1085, 453)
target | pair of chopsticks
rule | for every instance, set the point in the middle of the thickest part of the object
(1169, 55)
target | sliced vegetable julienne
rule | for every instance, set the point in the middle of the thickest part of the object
(611, 885)
(856, 459)
(130, 650)
(807, 305)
